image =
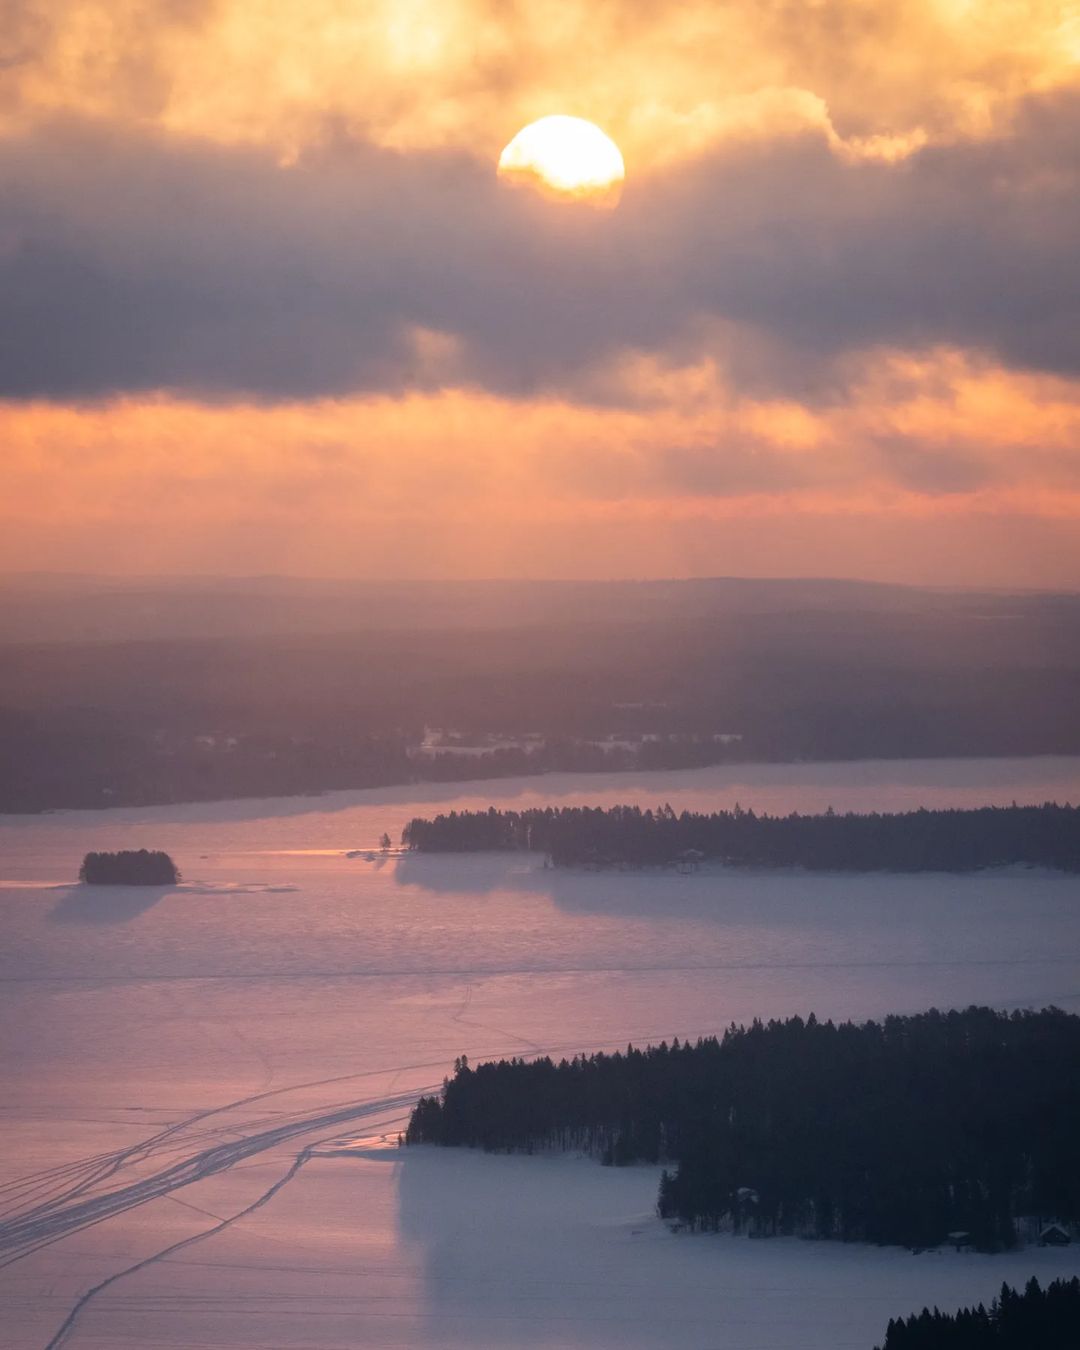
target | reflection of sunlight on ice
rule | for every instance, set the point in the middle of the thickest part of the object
(230, 888)
(36, 885)
(370, 852)
(383, 1146)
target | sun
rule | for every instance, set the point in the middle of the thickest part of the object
(566, 157)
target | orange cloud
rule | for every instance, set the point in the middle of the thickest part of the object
(464, 483)
(666, 79)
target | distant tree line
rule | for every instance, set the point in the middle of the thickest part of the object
(129, 867)
(86, 759)
(903, 1131)
(256, 706)
(913, 841)
(1037, 1319)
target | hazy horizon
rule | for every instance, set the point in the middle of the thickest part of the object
(60, 577)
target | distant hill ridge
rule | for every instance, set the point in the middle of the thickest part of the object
(128, 692)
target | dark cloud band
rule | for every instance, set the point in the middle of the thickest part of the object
(132, 262)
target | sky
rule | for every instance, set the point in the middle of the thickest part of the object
(266, 306)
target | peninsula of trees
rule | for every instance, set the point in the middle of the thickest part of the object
(914, 841)
(129, 867)
(911, 1131)
(1046, 1319)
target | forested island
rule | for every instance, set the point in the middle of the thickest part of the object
(912, 841)
(129, 867)
(913, 1130)
(1037, 1319)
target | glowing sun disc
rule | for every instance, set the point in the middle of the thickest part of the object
(567, 156)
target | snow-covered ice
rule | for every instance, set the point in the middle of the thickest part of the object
(320, 992)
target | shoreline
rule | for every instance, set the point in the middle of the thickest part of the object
(744, 774)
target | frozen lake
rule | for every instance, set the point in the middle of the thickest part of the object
(286, 996)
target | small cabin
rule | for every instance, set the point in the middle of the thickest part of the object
(1054, 1235)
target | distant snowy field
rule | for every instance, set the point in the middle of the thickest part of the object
(318, 993)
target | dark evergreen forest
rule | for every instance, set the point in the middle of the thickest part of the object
(1037, 1319)
(903, 1131)
(914, 841)
(129, 867)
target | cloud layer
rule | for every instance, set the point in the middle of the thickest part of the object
(134, 261)
(668, 78)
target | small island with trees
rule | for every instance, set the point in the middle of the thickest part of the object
(627, 836)
(129, 867)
